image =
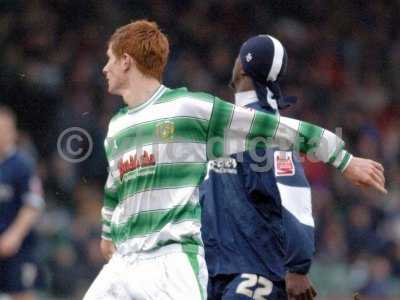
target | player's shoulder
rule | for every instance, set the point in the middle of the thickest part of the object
(120, 113)
(182, 93)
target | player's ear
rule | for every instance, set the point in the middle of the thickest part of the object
(127, 61)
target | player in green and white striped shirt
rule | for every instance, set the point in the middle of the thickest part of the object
(157, 148)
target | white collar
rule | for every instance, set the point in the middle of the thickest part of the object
(157, 94)
(249, 97)
(245, 98)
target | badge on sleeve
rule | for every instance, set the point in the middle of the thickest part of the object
(284, 165)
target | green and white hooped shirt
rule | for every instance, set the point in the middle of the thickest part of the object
(158, 152)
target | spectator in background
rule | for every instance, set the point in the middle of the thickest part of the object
(21, 203)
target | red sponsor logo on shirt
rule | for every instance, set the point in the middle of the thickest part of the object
(134, 162)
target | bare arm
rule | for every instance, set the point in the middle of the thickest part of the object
(107, 248)
(12, 238)
(365, 173)
(299, 287)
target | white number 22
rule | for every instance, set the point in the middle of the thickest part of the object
(265, 288)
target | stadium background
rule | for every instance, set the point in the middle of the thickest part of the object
(344, 65)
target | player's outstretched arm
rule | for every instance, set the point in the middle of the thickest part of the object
(242, 129)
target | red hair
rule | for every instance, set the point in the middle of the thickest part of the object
(145, 43)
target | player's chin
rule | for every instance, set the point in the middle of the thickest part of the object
(114, 89)
(110, 88)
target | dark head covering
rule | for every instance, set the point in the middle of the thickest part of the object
(264, 60)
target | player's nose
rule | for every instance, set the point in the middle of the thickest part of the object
(105, 69)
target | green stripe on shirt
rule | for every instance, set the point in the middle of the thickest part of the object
(220, 119)
(264, 126)
(153, 221)
(183, 92)
(344, 161)
(165, 176)
(110, 198)
(309, 137)
(192, 251)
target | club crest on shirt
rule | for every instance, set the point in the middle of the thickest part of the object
(284, 165)
(165, 130)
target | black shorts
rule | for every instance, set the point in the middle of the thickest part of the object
(245, 287)
(18, 273)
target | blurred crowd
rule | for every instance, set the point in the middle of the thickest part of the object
(344, 66)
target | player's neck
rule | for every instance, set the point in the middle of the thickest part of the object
(245, 92)
(139, 91)
(244, 85)
(245, 98)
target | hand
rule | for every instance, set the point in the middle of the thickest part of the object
(107, 248)
(356, 296)
(366, 173)
(299, 287)
(10, 242)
